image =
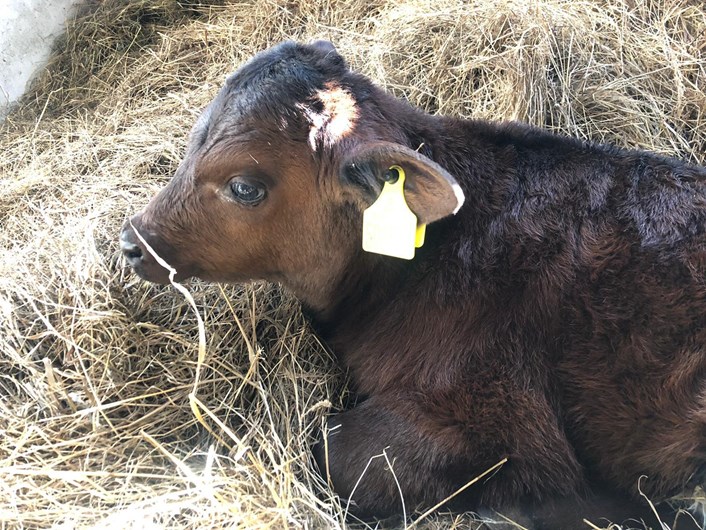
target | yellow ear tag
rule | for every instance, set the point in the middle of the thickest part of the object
(389, 226)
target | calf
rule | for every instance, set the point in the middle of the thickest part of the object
(555, 315)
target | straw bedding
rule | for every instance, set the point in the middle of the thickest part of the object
(100, 378)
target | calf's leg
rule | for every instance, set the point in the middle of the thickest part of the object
(400, 452)
(418, 449)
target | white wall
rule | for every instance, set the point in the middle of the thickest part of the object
(27, 31)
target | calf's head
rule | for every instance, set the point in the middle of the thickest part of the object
(278, 170)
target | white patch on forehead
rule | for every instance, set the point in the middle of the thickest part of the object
(342, 109)
(336, 120)
(318, 126)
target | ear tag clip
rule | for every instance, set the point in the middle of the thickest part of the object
(389, 226)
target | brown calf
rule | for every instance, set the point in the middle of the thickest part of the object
(557, 319)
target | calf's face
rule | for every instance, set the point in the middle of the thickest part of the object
(278, 170)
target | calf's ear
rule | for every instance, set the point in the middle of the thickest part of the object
(430, 191)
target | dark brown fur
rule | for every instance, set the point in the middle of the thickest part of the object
(558, 319)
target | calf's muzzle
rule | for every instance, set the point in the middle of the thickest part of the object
(141, 259)
(131, 250)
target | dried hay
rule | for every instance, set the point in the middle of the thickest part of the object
(97, 367)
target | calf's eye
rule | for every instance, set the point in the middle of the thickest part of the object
(247, 192)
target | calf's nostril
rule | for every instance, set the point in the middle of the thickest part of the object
(133, 254)
(130, 250)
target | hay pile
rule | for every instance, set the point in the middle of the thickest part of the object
(96, 367)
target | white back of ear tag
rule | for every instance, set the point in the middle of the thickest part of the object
(389, 226)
